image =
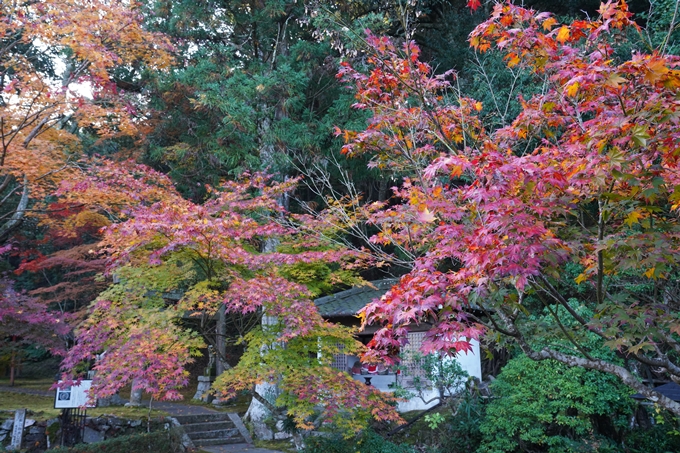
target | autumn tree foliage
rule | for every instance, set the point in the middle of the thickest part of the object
(212, 255)
(60, 75)
(574, 204)
(24, 320)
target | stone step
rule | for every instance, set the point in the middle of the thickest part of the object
(202, 418)
(207, 426)
(215, 434)
(209, 442)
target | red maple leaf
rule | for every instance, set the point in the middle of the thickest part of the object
(473, 4)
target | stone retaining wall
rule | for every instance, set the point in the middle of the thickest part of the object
(39, 436)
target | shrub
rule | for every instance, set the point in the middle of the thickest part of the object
(367, 442)
(548, 406)
(165, 441)
(452, 428)
(657, 438)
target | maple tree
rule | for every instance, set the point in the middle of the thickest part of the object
(25, 320)
(586, 177)
(58, 60)
(60, 264)
(211, 254)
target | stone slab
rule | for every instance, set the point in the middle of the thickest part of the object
(238, 423)
(91, 436)
(237, 448)
(18, 429)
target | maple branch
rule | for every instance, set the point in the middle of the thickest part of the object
(569, 337)
(6, 197)
(262, 400)
(495, 328)
(5, 145)
(16, 38)
(28, 119)
(52, 172)
(34, 132)
(662, 362)
(670, 340)
(671, 28)
(318, 181)
(622, 373)
(481, 70)
(5, 183)
(565, 303)
(18, 214)
(600, 253)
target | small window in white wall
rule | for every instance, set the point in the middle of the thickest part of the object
(340, 360)
(410, 354)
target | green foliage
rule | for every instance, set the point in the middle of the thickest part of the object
(551, 407)
(453, 428)
(319, 278)
(461, 432)
(165, 441)
(441, 372)
(366, 442)
(444, 373)
(662, 30)
(434, 420)
(657, 438)
(489, 80)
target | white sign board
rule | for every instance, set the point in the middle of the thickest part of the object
(73, 396)
(18, 430)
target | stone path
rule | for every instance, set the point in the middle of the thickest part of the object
(237, 448)
(25, 391)
(174, 409)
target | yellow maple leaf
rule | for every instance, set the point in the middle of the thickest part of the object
(614, 80)
(549, 23)
(656, 70)
(563, 34)
(572, 89)
(514, 61)
(632, 218)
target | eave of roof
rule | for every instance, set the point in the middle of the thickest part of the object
(670, 390)
(350, 301)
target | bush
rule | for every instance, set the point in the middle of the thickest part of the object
(368, 442)
(165, 441)
(548, 406)
(452, 428)
(658, 438)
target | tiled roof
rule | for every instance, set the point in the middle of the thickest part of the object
(349, 302)
(670, 390)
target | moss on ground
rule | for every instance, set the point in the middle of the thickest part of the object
(42, 407)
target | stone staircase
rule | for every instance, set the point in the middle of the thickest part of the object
(219, 428)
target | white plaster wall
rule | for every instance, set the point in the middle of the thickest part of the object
(470, 362)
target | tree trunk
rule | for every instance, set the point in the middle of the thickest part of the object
(135, 395)
(220, 343)
(12, 367)
(18, 214)
(258, 412)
